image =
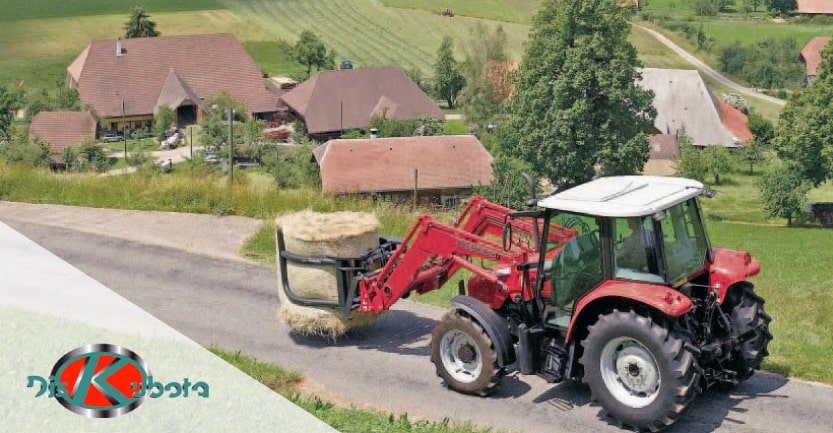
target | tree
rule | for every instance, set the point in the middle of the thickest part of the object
(482, 99)
(784, 191)
(310, 51)
(162, 120)
(781, 6)
(577, 104)
(448, 81)
(717, 160)
(10, 102)
(139, 25)
(804, 133)
(690, 163)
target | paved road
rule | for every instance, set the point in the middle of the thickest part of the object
(232, 304)
(709, 71)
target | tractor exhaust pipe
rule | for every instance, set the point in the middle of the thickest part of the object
(531, 204)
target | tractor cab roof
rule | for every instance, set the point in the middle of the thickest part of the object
(624, 196)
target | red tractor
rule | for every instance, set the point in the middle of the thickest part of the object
(613, 282)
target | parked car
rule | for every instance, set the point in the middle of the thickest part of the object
(111, 137)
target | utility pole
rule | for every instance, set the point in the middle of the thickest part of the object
(231, 144)
(123, 129)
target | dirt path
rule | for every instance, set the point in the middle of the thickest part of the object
(706, 69)
(207, 235)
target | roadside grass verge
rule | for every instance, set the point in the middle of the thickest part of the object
(286, 383)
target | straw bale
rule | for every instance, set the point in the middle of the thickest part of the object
(338, 234)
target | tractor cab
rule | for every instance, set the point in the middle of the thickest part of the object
(643, 230)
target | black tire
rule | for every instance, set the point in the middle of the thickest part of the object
(638, 370)
(464, 355)
(751, 323)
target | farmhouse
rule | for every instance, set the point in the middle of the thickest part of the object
(815, 7)
(811, 55)
(334, 101)
(441, 168)
(126, 81)
(683, 102)
(60, 129)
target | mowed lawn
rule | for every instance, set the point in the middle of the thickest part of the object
(368, 33)
(16, 10)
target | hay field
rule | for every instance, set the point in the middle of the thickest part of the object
(16, 10)
(368, 33)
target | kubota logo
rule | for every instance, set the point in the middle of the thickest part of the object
(105, 380)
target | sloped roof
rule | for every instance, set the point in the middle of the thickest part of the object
(62, 129)
(175, 92)
(815, 6)
(682, 101)
(811, 53)
(388, 164)
(345, 99)
(735, 122)
(207, 64)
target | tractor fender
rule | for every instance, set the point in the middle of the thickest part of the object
(730, 267)
(661, 298)
(494, 325)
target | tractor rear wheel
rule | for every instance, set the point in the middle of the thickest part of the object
(751, 323)
(464, 356)
(638, 370)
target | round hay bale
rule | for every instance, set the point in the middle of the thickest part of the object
(338, 234)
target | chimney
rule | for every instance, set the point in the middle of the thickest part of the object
(119, 50)
(374, 133)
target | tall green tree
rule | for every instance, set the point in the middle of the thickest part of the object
(10, 102)
(448, 80)
(310, 51)
(781, 6)
(577, 104)
(139, 25)
(481, 99)
(805, 129)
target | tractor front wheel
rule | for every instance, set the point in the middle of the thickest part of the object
(751, 324)
(464, 356)
(638, 370)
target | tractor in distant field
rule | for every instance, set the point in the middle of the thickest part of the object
(613, 282)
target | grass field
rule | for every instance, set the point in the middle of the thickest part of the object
(366, 33)
(517, 11)
(15, 10)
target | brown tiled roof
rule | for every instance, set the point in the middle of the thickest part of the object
(815, 6)
(663, 146)
(61, 129)
(811, 53)
(207, 64)
(388, 164)
(345, 99)
(735, 121)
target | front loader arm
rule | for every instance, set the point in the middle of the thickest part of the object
(429, 255)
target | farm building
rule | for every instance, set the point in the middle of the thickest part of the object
(335, 101)
(126, 81)
(815, 7)
(60, 129)
(440, 168)
(683, 102)
(811, 55)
